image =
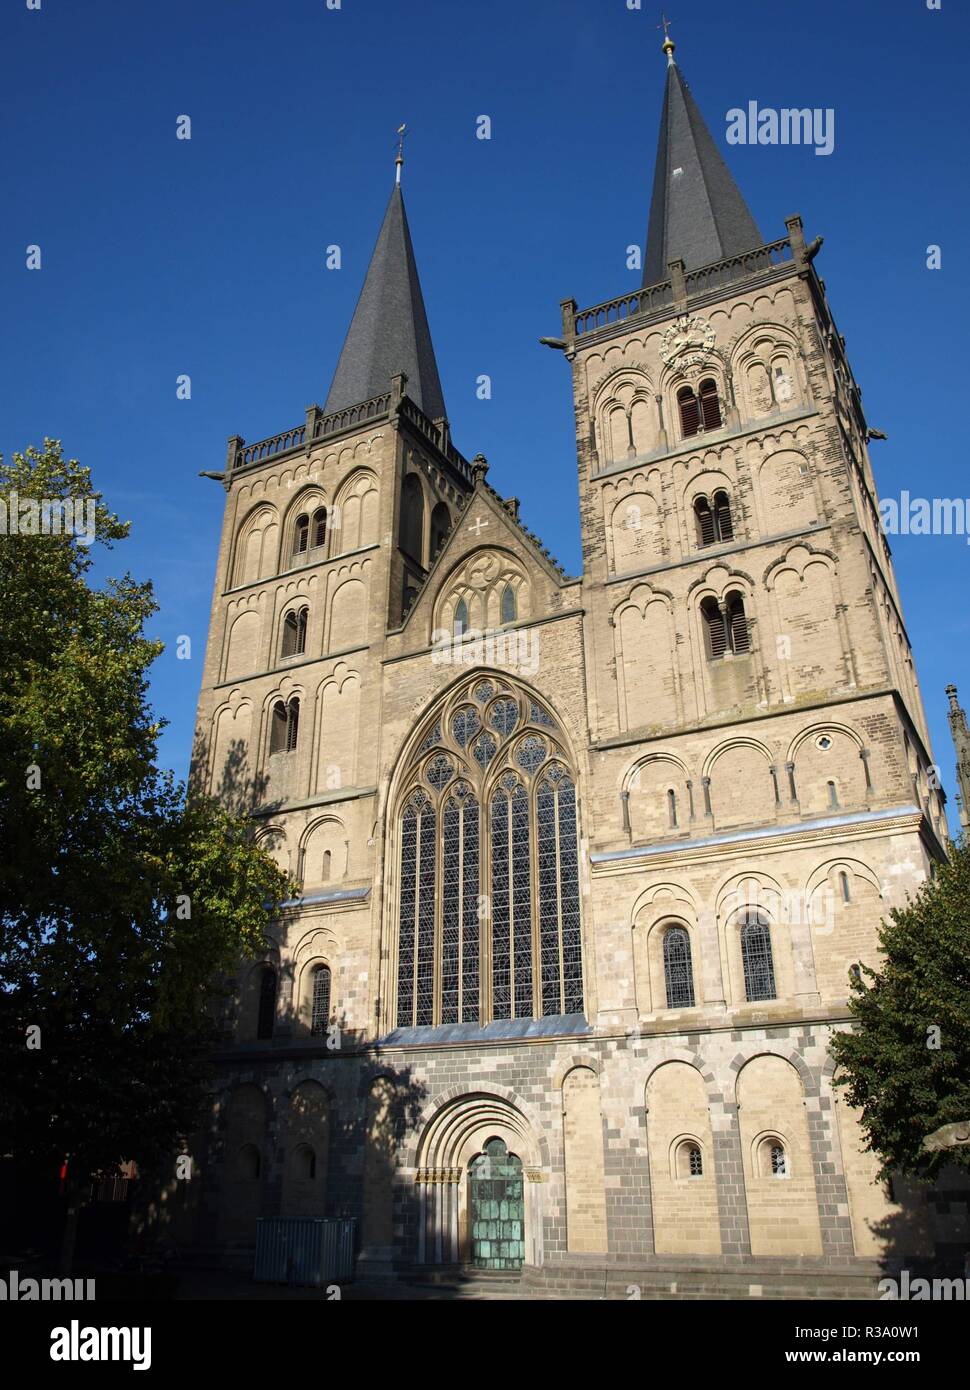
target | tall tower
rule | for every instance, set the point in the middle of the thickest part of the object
(758, 746)
(329, 528)
(961, 742)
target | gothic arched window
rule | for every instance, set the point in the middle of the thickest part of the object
(440, 526)
(301, 534)
(678, 971)
(412, 518)
(461, 617)
(318, 528)
(508, 604)
(489, 916)
(756, 958)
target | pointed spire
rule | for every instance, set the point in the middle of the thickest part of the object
(389, 331)
(697, 213)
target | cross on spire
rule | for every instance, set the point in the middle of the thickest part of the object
(668, 43)
(401, 132)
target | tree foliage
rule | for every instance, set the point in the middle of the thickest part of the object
(906, 1063)
(120, 900)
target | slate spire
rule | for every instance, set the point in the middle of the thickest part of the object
(697, 213)
(389, 331)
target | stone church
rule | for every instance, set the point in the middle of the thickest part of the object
(584, 862)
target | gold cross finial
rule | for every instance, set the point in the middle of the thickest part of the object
(668, 43)
(401, 132)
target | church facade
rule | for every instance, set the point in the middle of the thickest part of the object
(585, 862)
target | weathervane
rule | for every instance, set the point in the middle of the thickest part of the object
(401, 132)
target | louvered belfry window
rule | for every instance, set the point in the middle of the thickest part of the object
(318, 528)
(715, 633)
(714, 523)
(725, 629)
(706, 533)
(690, 412)
(738, 624)
(489, 913)
(710, 406)
(285, 726)
(301, 535)
(723, 525)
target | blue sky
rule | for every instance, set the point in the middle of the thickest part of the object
(207, 257)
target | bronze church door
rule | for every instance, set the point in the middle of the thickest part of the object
(495, 1206)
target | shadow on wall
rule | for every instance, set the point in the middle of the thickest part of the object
(234, 784)
(325, 1144)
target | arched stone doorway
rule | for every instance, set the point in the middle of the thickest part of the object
(454, 1187)
(496, 1208)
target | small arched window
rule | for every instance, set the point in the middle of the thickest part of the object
(715, 631)
(772, 1158)
(327, 864)
(678, 972)
(756, 958)
(285, 726)
(723, 523)
(461, 617)
(844, 886)
(710, 406)
(266, 1015)
(833, 794)
(690, 412)
(508, 604)
(318, 528)
(713, 520)
(689, 1160)
(301, 534)
(320, 1001)
(294, 632)
(672, 808)
(737, 624)
(704, 518)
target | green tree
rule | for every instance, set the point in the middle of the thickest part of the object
(906, 1063)
(121, 901)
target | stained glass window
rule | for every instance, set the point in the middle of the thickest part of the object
(759, 969)
(489, 868)
(320, 1011)
(678, 975)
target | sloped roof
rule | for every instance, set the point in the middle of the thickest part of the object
(697, 213)
(389, 331)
